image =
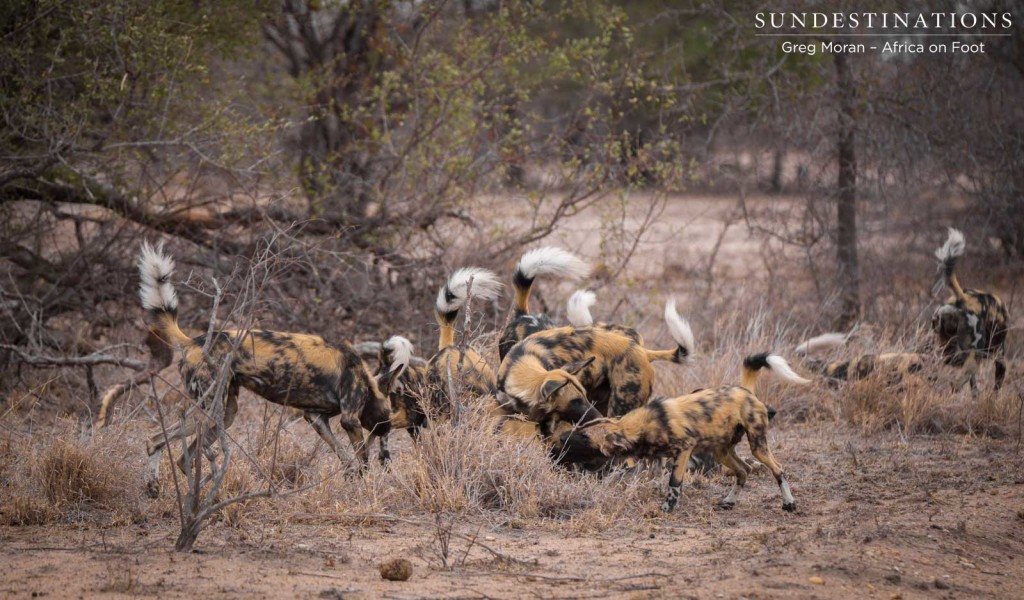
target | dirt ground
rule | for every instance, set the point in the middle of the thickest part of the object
(883, 517)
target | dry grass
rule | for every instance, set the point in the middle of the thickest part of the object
(63, 475)
(462, 469)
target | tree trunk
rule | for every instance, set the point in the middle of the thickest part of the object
(846, 217)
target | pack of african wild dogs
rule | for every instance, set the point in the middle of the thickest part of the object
(582, 389)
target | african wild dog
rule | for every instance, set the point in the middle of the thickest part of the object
(579, 374)
(407, 408)
(451, 366)
(578, 313)
(292, 369)
(714, 419)
(533, 264)
(972, 324)
(896, 365)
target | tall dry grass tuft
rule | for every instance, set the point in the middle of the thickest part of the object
(66, 476)
(464, 468)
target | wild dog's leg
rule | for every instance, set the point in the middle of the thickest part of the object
(1000, 373)
(759, 448)
(157, 443)
(675, 481)
(354, 430)
(385, 454)
(970, 374)
(209, 437)
(322, 426)
(729, 459)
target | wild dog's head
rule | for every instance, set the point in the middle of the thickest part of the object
(592, 444)
(563, 398)
(954, 326)
(393, 360)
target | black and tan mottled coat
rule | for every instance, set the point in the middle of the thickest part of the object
(895, 366)
(971, 325)
(709, 420)
(292, 369)
(535, 263)
(576, 374)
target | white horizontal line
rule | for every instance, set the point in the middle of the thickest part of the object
(884, 34)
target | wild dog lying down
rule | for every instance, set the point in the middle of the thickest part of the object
(533, 264)
(971, 324)
(714, 419)
(292, 369)
(580, 374)
(897, 365)
(452, 367)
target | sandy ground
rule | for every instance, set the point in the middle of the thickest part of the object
(935, 517)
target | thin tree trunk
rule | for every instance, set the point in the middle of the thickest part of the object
(846, 218)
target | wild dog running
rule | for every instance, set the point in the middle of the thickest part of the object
(713, 420)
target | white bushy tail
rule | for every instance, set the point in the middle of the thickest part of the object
(825, 341)
(156, 290)
(578, 308)
(948, 256)
(548, 260)
(399, 351)
(454, 292)
(679, 329)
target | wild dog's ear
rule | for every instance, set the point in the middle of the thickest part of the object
(575, 367)
(550, 387)
(389, 381)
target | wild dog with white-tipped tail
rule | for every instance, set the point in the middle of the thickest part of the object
(971, 325)
(894, 365)
(713, 420)
(292, 369)
(580, 374)
(452, 369)
(536, 263)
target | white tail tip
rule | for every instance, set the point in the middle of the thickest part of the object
(780, 367)
(452, 294)
(401, 352)
(550, 260)
(155, 269)
(678, 327)
(954, 246)
(578, 309)
(824, 341)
